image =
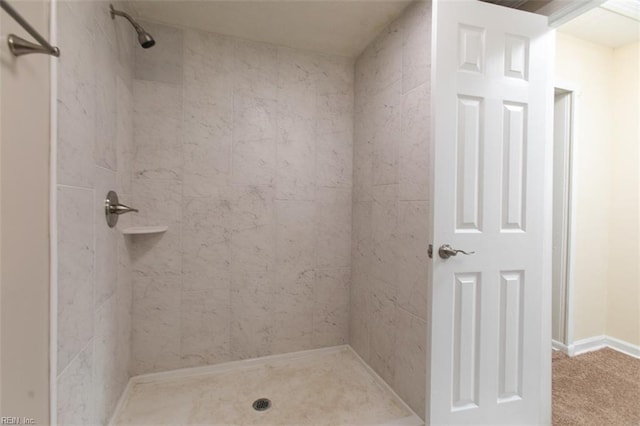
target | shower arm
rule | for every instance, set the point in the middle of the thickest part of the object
(115, 12)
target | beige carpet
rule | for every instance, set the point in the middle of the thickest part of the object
(597, 388)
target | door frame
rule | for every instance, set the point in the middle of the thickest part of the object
(572, 90)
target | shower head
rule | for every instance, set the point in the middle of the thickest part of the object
(144, 38)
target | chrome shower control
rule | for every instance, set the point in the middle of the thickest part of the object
(113, 209)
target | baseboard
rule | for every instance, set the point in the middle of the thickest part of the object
(624, 347)
(559, 346)
(589, 344)
(595, 343)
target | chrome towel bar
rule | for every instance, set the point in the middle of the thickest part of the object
(20, 46)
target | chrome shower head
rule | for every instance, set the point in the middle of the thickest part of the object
(144, 38)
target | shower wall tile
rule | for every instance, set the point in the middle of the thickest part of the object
(386, 124)
(389, 294)
(383, 331)
(162, 65)
(416, 46)
(296, 143)
(125, 44)
(296, 165)
(207, 145)
(124, 135)
(292, 323)
(336, 75)
(160, 203)
(95, 149)
(105, 104)
(76, 98)
(75, 405)
(206, 247)
(410, 368)
(335, 113)
(254, 162)
(252, 313)
(156, 322)
(258, 203)
(334, 165)
(380, 64)
(413, 232)
(124, 299)
(333, 224)
(106, 254)
(414, 157)
(363, 157)
(208, 67)
(358, 309)
(157, 130)
(254, 118)
(295, 245)
(255, 70)
(205, 326)
(76, 271)
(105, 368)
(331, 307)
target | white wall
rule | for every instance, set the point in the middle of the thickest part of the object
(590, 66)
(24, 222)
(623, 287)
(605, 293)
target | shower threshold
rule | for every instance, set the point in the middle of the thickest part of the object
(330, 386)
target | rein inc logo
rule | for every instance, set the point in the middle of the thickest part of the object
(7, 420)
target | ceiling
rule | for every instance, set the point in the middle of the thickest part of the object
(342, 27)
(603, 26)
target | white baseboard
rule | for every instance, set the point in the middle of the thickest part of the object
(624, 347)
(589, 344)
(595, 343)
(559, 346)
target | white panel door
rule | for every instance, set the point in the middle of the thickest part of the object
(493, 101)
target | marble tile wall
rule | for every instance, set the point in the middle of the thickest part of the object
(244, 150)
(95, 138)
(391, 204)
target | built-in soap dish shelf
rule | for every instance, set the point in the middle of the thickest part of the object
(144, 230)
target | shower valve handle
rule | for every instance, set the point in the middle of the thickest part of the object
(113, 209)
(121, 209)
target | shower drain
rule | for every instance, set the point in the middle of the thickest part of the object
(261, 404)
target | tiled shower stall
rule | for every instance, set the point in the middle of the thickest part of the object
(295, 188)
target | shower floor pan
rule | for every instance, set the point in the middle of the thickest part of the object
(331, 386)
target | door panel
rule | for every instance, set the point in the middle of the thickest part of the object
(492, 95)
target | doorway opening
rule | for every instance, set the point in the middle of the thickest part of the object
(564, 104)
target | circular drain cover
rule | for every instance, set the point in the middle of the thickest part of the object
(261, 404)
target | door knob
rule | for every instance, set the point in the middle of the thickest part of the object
(446, 251)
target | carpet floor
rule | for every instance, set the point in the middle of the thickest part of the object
(596, 388)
